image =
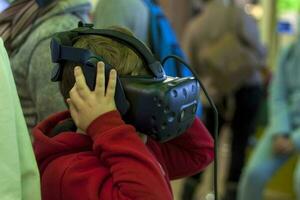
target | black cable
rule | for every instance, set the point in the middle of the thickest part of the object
(216, 119)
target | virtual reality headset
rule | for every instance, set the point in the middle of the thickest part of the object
(159, 106)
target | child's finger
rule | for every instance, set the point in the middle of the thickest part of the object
(100, 79)
(111, 87)
(76, 99)
(81, 85)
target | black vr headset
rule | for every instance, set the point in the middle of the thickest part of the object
(161, 107)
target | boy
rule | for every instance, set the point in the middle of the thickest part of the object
(101, 157)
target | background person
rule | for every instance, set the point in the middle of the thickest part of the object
(18, 169)
(221, 38)
(282, 137)
(26, 29)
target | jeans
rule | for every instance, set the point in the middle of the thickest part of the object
(247, 102)
(260, 169)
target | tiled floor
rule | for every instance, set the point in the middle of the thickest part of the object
(206, 186)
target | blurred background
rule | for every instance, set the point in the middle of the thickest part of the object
(278, 26)
(268, 27)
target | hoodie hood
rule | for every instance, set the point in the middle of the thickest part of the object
(48, 148)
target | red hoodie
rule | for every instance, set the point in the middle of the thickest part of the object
(112, 163)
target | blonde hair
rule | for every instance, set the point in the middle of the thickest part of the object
(118, 55)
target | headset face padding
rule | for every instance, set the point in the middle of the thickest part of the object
(161, 107)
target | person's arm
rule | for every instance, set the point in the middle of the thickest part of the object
(10, 164)
(18, 171)
(135, 171)
(295, 134)
(44, 93)
(249, 34)
(189, 43)
(278, 106)
(189, 153)
(131, 14)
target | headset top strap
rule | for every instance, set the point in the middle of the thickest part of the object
(136, 45)
(67, 53)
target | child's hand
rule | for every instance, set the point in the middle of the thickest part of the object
(86, 105)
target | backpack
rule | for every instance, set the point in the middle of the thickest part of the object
(163, 41)
(227, 59)
(230, 63)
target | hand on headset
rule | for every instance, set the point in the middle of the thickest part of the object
(86, 105)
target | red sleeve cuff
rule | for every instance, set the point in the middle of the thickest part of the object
(104, 123)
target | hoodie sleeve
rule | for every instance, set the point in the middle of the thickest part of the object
(278, 105)
(18, 170)
(248, 31)
(135, 172)
(188, 154)
(44, 93)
